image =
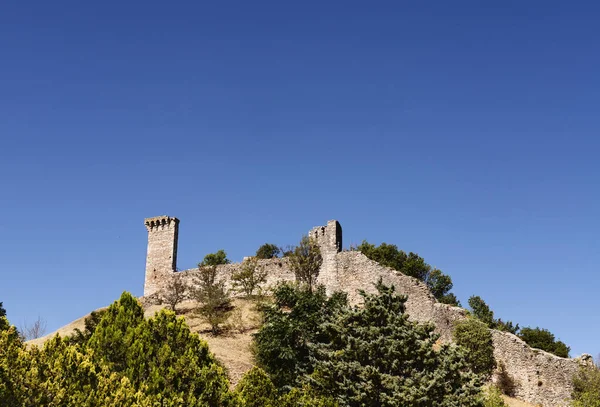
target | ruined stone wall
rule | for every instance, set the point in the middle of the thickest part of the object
(541, 378)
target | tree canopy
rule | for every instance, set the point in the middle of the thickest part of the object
(361, 356)
(127, 361)
(215, 259)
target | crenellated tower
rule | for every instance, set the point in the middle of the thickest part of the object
(161, 256)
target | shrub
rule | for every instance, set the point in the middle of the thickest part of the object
(543, 339)
(476, 338)
(586, 387)
(250, 277)
(267, 251)
(215, 259)
(255, 389)
(492, 397)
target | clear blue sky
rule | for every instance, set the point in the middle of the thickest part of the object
(464, 131)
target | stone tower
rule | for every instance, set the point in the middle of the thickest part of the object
(161, 256)
(329, 239)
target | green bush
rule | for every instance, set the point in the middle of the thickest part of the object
(267, 251)
(492, 397)
(543, 339)
(586, 388)
(215, 259)
(476, 338)
(255, 389)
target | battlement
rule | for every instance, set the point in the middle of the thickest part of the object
(160, 221)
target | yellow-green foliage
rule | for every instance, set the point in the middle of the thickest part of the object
(586, 388)
(127, 361)
(492, 397)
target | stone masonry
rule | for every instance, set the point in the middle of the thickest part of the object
(542, 378)
(161, 259)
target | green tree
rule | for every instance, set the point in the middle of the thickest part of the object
(375, 356)
(412, 265)
(4, 325)
(90, 323)
(126, 361)
(291, 323)
(268, 251)
(543, 339)
(482, 312)
(15, 362)
(215, 259)
(476, 338)
(215, 302)
(305, 261)
(250, 277)
(159, 355)
(440, 285)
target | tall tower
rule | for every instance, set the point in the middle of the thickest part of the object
(329, 239)
(161, 256)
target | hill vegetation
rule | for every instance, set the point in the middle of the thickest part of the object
(310, 349)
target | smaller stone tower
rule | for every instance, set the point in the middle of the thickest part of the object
(329, 239)
(162, 251)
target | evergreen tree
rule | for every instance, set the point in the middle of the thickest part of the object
(291, 322)
(375, 356)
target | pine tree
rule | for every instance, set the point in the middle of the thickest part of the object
(375, 356)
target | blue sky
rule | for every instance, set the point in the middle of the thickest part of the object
(464, 131)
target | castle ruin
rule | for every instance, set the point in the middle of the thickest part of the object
(541, 378)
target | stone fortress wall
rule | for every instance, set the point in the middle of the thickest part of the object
(542, 378)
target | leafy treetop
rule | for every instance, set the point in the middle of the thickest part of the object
(215, 259)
